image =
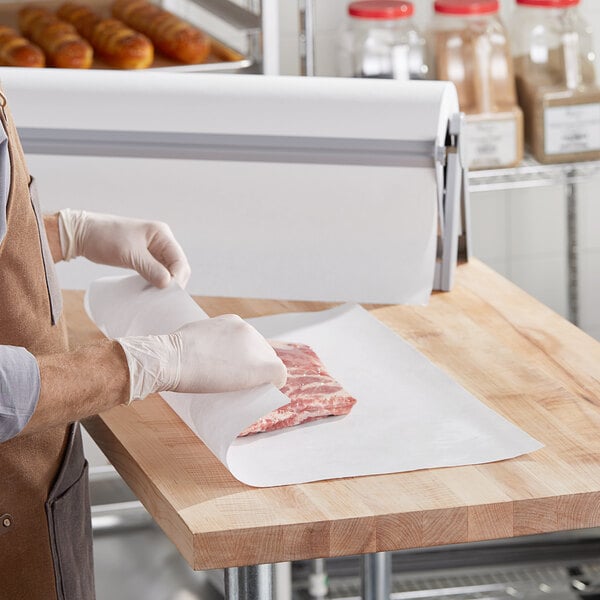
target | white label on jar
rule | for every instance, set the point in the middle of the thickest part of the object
(572, 129)
(491, 143)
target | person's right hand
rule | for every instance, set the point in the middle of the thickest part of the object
(222, 354)
(225, 354)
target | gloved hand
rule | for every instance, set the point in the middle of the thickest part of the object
(148, 247)
(222, 354)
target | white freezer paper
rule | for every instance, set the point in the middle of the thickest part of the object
(409, 414)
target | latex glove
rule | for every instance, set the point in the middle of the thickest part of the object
(222, 354)
(148, 247)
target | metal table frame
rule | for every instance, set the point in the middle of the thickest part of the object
(256, 582)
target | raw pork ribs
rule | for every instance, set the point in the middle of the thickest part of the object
(312, 391)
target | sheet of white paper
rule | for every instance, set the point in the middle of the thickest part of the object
(409, 415)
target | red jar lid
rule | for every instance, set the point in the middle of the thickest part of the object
(466, 7)
(549, 3)
(381, 9)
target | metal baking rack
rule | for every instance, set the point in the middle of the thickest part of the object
(254, 26)
(256, 20)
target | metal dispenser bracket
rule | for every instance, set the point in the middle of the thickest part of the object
(455, 221)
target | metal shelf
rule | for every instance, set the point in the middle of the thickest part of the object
(237, 16)
(530, 173)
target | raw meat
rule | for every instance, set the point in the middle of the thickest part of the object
(313, 392)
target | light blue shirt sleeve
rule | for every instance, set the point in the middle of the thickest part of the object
(19, 371)
(4, 180)
(19, 390)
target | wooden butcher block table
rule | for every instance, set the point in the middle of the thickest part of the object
(513, 353)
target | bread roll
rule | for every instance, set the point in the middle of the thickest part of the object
(17, 51)
(173, 36)
(61, 43)
(118, 45)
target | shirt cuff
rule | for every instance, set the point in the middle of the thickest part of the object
(19, 390)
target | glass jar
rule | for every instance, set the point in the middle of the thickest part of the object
(380, 40)
(471, 48)
(554, 68)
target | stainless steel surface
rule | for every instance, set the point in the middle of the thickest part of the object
(217, 67)
(245, 18)
(235, 15)
(259, 23)
(585, 582)
(227, 582)
(452, 221)
(249, 583)
(552, 581)
(495, 584)
(376, 572)
(529, 174)
(572, 254)
(306, 37)
(204, 146)
(282, 581)
(258, 581)
(269, 14)
(232, 587)
(453, 206)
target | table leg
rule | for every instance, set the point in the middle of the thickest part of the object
(232, 591)
(249, 583)
(376, 575)
(282, 581)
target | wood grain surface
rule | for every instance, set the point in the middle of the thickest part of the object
(513, 353)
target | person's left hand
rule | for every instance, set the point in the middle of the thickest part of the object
(148, 247)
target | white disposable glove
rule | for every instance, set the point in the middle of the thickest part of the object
(223, 354)
(148, 247)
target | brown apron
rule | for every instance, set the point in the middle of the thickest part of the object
(45, 528)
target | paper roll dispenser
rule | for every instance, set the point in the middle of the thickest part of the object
(341, 189)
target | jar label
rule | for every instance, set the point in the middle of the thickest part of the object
(491, 143)
(572, 129)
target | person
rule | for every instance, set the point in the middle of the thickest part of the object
(45, 388)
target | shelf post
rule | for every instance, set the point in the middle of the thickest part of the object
(572, 251)
(307, 37)
(376, 576)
